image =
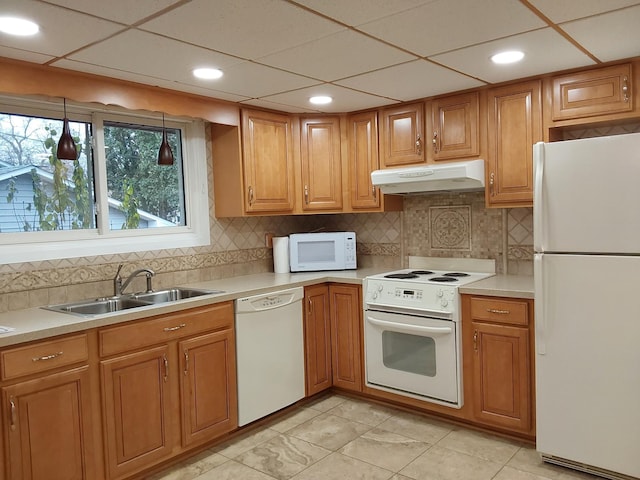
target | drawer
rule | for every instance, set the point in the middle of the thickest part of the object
(43, 356)
(161, 329)
(513, 312)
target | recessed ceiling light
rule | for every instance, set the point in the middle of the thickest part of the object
(18, 26)
(510, 56)
(207, 73)
(321, 100)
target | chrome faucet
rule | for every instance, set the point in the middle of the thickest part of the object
(119, 285)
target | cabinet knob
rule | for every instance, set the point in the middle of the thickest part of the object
(306, 194)
(475, 341)
(374, 192)
(12, 407)
(419, 145)
(435, 142)
(492, 180)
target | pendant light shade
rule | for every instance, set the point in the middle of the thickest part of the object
(66, 146)
(165, 155)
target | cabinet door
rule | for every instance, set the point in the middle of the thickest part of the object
(137, 407)
(321, 163)
(346, 326)
(454, 122)
(515, 124)
(208, 386)
(363, 159)
(49, 434)
(502, 379)
(317, 331)
(268, 162)
(594, 92)
(402, 141)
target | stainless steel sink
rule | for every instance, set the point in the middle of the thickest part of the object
(172, 295)
(134, 300)
(98, 306)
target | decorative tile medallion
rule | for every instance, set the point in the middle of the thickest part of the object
(450, 227)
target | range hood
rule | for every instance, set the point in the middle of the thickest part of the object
(458, 176)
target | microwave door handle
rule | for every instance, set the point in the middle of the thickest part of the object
(404, 327)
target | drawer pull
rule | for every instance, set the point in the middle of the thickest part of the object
(625, 90)
(173, 329)
(186, 362)
(47, 357)
(475, 341)
(12, 405)
(501, 312)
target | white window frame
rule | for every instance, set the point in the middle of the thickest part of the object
(39, 246)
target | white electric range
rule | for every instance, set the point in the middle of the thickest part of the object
(413, 333)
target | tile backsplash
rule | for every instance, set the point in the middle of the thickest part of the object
(436, 225)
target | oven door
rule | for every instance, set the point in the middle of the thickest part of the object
(414, 355)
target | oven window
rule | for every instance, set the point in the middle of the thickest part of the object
(409, 353)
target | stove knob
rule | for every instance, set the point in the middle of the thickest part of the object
(444, 302)
(375, 295)
(440, 293)
(380, 288)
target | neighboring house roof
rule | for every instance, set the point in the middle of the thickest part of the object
(8, 172)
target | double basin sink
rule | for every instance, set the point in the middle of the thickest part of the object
(127, 301)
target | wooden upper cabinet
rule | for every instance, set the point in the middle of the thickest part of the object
(268, 162)
(321, 163)
(595, 92)
(363, 159)
(402, 139)
(453, 125)
(515, 124)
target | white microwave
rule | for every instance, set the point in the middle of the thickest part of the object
(310, 252)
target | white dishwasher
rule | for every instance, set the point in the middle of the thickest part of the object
(270, 352)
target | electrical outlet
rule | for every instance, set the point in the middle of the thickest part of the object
(268, 240)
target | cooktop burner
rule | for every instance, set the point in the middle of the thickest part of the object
(456, 274)
(421, 272)
(403, 276)
(443, 279)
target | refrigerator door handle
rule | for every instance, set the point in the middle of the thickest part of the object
(538, 163)
(540, 311)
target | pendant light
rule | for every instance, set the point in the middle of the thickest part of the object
(165, 155)
(66, 146)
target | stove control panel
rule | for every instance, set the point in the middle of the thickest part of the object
(395, 293)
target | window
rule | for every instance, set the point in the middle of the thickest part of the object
(113, 199)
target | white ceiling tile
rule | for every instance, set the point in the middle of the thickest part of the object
(411, 80)
(609, 36)
(257, 102)
(254, 80)
(337, 56)
(146, 80)
(450, 24)
(124, 11)
(153, 56)
(61, 31)
(245, 28)
(344, 99)
(564, 10)
(16, 54)
(356, 12)
(545, 51)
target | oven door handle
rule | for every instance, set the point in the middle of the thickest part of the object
(404, 327)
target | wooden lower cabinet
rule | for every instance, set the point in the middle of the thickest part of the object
(317, 331)
(208, 386)
(161, 400)
(48, 427)
(346, 339)
(500, 333)
(137, 410)
(333, 323)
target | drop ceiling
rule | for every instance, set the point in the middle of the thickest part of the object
(364, 53)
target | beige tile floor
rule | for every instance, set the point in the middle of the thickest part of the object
(338, 437)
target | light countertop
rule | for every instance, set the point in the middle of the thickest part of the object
(37, 323)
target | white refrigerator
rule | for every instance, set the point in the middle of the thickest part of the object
(587, 302)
